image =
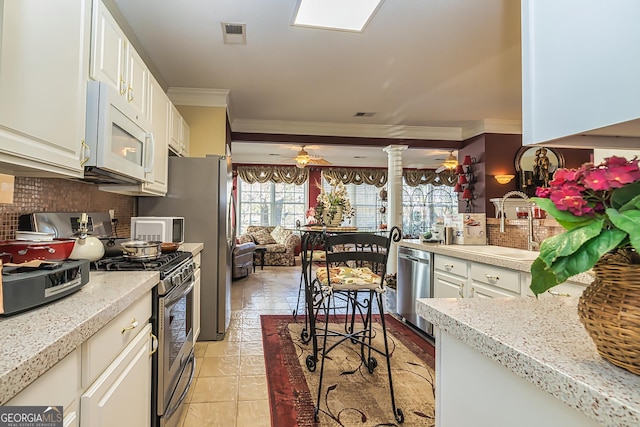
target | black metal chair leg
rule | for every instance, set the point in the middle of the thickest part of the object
(397, 412)
(324, 350)
(300, 285)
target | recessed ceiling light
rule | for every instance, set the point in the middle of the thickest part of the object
(347, 15)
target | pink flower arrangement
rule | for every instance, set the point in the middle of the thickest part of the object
(599, 206)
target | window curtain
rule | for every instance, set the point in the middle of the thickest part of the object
(378, 177)
(276, 174)
(415, 177)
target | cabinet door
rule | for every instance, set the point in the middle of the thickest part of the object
(184, 140)
(158, 113)
(196, 306)
(121, 396)
(448, 286)
(137, 78)
(43, 81)
(176, 130)
(107, 49)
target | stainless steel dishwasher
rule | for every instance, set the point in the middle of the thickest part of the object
(415, 277)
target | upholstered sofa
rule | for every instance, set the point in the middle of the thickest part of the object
(279, 242)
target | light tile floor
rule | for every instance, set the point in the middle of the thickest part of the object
(230, 388)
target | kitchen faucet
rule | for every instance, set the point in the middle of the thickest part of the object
(530, 242)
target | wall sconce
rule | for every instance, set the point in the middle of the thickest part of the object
(504, 179)
(468, 161)
(468, 196)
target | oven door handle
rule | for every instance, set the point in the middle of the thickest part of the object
(173, 297)
(170, 411)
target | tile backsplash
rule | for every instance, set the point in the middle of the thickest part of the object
(515, 235)
(62, 195)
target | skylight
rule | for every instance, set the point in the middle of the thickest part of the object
(347, 15)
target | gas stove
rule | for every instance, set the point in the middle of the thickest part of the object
(174, 267)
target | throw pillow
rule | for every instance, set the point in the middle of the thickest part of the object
(263, 237)
(245, 238)
(280, 234)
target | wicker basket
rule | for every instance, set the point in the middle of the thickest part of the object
(609, 309)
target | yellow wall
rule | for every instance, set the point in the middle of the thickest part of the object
(208, 129)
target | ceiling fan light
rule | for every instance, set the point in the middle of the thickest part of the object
(450, 162)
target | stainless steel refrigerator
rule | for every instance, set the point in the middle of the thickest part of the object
(200, 190)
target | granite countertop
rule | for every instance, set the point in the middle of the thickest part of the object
(194, 248)
(542, 341)
(32, 342)
(520, 261)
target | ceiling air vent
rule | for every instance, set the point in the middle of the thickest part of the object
(362, 114)
(234, 33)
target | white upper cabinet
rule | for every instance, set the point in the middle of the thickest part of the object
(580, 71)
(159, 111)
(179, 133)
(43, 79)
(115, 61)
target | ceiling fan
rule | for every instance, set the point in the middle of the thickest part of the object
(449, 163)
(303, 159)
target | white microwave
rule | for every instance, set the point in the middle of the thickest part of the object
(158, 228)
(118, 149)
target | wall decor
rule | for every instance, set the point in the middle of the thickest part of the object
(535, 166)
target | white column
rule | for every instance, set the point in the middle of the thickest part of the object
(394, 191)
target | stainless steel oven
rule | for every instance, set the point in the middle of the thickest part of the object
(176, 361)
(173, 364)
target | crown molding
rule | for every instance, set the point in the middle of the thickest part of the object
(345, 129)
(502, 126)
(199, 97)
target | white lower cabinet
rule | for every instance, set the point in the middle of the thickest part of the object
(448, 286)
(59, 386)
(458, 278)
(106, 381)
(122, 394)
(449, 277)
(488, 281)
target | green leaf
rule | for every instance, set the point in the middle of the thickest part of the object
(565, 218)
(629, 222)
(569, 242)
(545, 276)
(542, 278)
(626, 197)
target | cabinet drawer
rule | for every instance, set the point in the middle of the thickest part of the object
(481, 290)
(103, 347)
(496, 276)
(450, 265)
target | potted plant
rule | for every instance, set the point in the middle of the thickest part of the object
(333, 207)
(599, 206)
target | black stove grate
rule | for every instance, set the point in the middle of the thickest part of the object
(164, 263)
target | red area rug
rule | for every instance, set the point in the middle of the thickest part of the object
(351, 396)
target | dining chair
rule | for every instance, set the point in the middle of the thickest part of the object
(356, 264)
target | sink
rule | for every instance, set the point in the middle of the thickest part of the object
(499, 251)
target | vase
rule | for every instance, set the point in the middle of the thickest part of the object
(336, 220)
(609, 310)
